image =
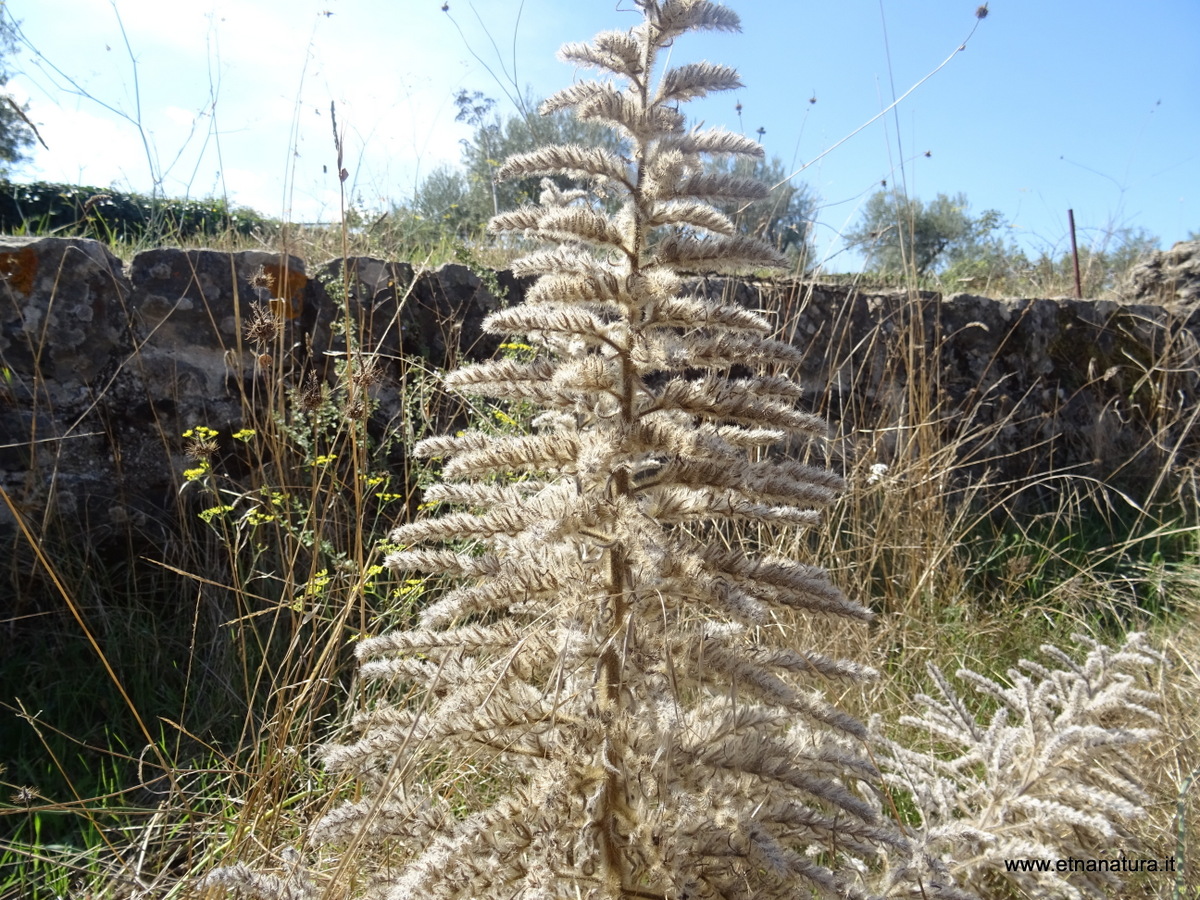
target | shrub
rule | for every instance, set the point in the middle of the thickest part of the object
(80, 211)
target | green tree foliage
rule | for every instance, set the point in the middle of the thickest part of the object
(464, 199)
(81, 211)
(15, 134)
(1104, 262)
(785, 218)
(444, 199)
(898, 233)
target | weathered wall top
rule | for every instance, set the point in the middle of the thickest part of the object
(1168, 277)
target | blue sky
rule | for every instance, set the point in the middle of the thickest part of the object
(1053, 104)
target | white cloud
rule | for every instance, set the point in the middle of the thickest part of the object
(87, 148)
(273, 67)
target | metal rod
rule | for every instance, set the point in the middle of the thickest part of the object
(1074, 254)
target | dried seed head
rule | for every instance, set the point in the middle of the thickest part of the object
(201, 444)
(264, 327)
(261, 279)
(363, 372)
(312, 395)
(981, 12)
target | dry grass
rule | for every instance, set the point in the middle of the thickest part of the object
(268, 609)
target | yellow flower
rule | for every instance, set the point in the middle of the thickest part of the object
(201, 433)
(199, 472)
(412, 585)
(213, 512)
(317, 585)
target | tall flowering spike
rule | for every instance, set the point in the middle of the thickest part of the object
(605, 704)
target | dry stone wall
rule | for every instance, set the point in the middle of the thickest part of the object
(1168, 277)
(105, 366)
(1018, 388)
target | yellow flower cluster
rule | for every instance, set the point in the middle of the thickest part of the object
(195, 474)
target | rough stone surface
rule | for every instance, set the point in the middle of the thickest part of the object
(103, 371)
(64, 338)
(1020, 388)
(1168, 277)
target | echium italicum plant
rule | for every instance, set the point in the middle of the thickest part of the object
(603, 704)
(1052, 776)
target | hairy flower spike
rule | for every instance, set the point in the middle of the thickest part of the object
(697, 80)
(604, 670)
(617, 52)
(576, 162)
